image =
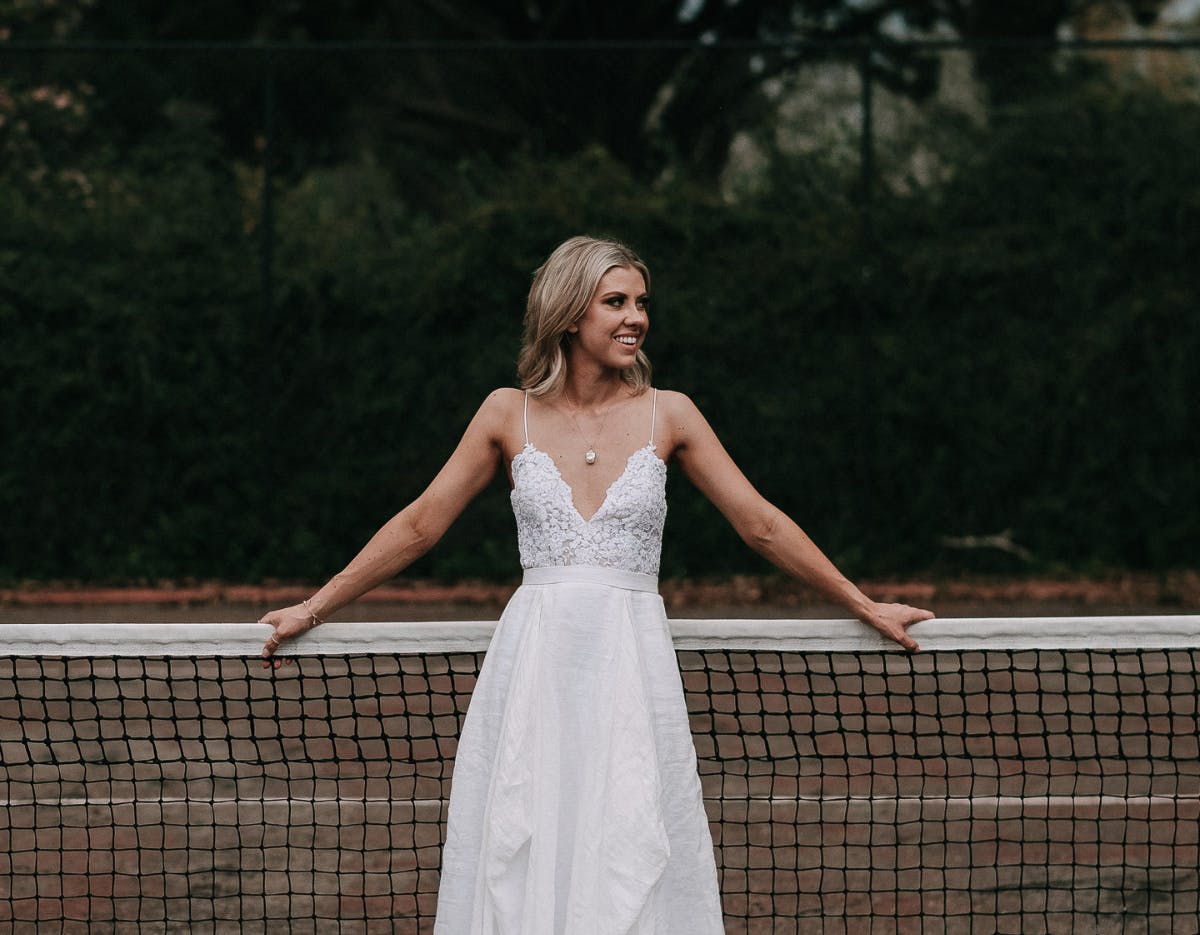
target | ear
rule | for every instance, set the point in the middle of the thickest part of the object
(573, 329)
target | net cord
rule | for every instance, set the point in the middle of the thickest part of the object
(735, 635)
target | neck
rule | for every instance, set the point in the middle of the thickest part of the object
(591, 387)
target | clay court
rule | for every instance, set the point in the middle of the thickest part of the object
(999, 789)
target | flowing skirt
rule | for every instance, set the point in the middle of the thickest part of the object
(575, 804)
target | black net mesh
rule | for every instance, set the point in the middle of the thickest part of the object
(975, 791)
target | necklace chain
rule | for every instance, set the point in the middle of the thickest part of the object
(589, 456)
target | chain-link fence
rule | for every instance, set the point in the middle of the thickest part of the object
(929, 292)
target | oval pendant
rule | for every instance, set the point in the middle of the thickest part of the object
(590, 457)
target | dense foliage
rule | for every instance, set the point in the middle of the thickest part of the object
(679, 103)
(1012, 348)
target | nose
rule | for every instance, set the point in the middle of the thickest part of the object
(636, 316)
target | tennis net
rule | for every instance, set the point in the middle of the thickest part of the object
(1018, 775)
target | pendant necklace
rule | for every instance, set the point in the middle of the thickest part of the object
(589, 456)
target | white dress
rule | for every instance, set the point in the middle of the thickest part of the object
(575, 806)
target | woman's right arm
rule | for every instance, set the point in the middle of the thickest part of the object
(414, 530)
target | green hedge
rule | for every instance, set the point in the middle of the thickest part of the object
(1013, 348)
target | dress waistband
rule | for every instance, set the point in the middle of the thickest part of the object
(591, 574)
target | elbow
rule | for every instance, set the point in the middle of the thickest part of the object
(422, 532)
(762, 532)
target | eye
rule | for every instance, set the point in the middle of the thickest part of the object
(616, 301)
(643, 302)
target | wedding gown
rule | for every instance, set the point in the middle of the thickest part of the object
(575, 806)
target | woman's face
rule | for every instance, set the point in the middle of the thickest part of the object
(616, 320)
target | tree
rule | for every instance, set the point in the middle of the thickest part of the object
(1009, 74)
(419, 110)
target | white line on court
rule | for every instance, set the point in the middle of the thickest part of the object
(992, 802)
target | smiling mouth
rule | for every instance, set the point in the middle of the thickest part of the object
(628, 340)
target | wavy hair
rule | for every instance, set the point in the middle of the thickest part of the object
(562, 288)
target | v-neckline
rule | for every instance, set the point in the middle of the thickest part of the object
(531, 448)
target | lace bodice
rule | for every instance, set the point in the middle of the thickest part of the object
(625, 532)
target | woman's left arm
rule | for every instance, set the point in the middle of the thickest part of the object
(766, 528)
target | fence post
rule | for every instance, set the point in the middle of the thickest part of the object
(268, 208)
(866, 139)
(866, 383)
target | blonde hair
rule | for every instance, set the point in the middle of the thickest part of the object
(562, 288)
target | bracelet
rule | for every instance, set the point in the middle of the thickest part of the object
(316, 621)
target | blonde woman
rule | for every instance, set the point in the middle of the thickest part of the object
(576, 803)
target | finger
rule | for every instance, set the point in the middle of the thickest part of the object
(909, 644)
(899, 635)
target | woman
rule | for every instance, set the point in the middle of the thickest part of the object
(576, 803)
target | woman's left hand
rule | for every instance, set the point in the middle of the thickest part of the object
(893, 621)
(288, 622)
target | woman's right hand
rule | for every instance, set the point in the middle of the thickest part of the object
(288, 622)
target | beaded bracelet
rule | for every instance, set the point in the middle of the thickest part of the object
(316, 621)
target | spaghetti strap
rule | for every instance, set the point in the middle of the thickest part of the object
(653, 415)
(525, 416)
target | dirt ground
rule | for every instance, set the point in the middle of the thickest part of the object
(742, 596)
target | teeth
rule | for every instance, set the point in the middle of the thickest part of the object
(627, 340)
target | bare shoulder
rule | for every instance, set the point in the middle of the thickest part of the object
(503, 401)
(677, 409)
(498, 410)
(682, 424)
